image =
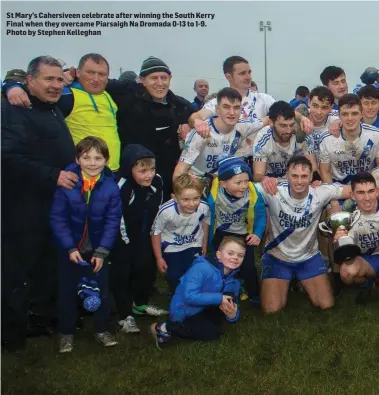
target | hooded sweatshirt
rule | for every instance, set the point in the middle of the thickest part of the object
(140, 204)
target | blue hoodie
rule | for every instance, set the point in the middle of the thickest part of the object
(203, 285)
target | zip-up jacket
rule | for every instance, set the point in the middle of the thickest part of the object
(35, 145)
(140, 204)
(71, 217)
(203, 285)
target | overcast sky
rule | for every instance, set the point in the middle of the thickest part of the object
(305, 37)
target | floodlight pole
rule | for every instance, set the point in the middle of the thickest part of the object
(263, 28)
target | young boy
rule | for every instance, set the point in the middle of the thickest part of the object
(133, 269)
(207, 294)
(180, 230)
(85, 221)
(237, 209)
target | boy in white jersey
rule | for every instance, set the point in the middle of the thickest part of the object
(334, 78)
(369, 96)
(365, 233)
(275, 145)
(255, 105)
(237, 209)
(354, 151)
(227, 137)
(180, 230)
(291, 246)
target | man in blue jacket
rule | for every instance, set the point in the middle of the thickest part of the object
(85, 221)
(207, 294)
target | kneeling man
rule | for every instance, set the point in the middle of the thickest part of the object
(291, 246)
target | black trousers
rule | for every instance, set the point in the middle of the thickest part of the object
(70, 274)
(28, 280)
(248, 271)
(132, 275)
(205, 326)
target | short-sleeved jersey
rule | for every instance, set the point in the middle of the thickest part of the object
(365, 232)
(349, 158)
(266, 149)
(202, 154)
(318, 131)
(179, 231)
(255, 105)
(292, 235)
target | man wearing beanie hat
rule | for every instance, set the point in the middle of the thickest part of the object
(237, 209)
(150, 114)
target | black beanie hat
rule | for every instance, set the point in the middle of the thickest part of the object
(153, 65)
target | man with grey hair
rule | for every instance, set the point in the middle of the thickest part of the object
(87, 108)
(36, 146)
(201, 87)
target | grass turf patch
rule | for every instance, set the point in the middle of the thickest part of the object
(299, 351)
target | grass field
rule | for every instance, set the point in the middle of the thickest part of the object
(299, 351)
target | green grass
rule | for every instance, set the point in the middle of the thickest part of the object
(299, 351)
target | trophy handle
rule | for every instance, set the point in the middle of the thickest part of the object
(355, 217)
(324, 227)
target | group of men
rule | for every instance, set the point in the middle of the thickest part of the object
(43, 118)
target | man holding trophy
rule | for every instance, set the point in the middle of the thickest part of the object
(291, 248)
(364, 232)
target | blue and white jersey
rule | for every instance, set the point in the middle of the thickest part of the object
(365, 233)
(180, 231)
(255, 105)
(202, 154)
(267, 150)
(231, 213)
(335, 110)
(349, 158)
(318, 131)
(292, 235)
(375, 123)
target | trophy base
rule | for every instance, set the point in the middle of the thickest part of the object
(346, 252)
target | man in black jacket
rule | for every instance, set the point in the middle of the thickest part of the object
(36, 146)
(150, 114)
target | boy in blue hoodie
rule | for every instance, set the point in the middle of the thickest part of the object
(207, 293)
(85, 221)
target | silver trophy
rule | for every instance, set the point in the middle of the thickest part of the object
(344, 247)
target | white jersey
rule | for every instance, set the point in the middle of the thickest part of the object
(255, 105)
(318, 131)
(202, 154)
(365, 233)
(347, 159)
(266, 149)
(335, 110)
(179, 231)
(292, 236)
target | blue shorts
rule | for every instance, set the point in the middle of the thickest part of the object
(273, 267)
(372, 260)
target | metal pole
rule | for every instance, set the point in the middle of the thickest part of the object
(265, 59)
(263, 27)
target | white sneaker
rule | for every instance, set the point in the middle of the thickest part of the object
(66, 343)
(149, 309)
(128, 325)
(106, 339)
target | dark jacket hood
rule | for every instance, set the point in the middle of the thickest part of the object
(130, 155)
